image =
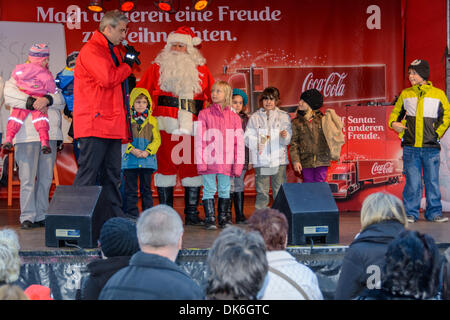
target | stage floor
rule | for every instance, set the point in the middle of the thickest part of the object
(199, 238)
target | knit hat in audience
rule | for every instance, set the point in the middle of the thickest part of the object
(313, 98)
(38, 52)
(118, 237)
(71, 58)
(421, 67)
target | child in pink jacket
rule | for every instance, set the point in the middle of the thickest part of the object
(219, 153)
(34, 79)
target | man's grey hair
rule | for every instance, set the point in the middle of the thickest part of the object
(159, 226)
(237, 264)
(112, 18)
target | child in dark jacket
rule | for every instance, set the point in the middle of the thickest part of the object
(118, 242)
(239, 103)
(139, 161)
(309, 151)
(64, 81)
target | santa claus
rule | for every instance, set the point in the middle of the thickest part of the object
(180, 83)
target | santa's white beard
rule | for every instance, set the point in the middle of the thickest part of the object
(178, 74)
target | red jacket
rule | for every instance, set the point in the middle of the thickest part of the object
(98, 108)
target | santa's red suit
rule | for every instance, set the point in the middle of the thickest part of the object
(176, 109)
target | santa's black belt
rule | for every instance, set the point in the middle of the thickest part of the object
(190, 105)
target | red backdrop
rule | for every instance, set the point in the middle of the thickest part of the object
(354, 51)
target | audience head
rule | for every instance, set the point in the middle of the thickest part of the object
(379, 207)
(159, 227)
(118, 237)
(12, 292)
(236, 265)
(446, 276)
(272, 225)
(412, 266)
(9, 256)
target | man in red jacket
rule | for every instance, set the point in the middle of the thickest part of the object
(100, 118)
(180, 82)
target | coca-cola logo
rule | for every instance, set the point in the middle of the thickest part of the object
(332, 86)
(385, 168)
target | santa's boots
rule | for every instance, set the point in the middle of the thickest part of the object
(210, 220)
(238, 201)
(224, 212)
(191, 200)
(165, 195)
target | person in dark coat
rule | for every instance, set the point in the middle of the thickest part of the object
(382, 219)
(152, 273)
(118, 242)
(411, 271)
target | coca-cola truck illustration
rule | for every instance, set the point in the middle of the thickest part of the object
(340, 85)
(347, 177)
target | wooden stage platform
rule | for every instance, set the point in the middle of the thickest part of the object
(199, 238)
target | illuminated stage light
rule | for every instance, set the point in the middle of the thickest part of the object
(126, 6)
(164, 5)
(200, 5)
(95, 6)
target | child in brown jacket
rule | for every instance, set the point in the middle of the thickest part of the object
(309, 151)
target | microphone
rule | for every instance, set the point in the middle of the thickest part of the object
(125, 44)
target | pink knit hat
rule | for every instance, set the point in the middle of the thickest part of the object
(38, 52)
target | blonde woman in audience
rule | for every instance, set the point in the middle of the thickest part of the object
(382, 219)
(12, 292)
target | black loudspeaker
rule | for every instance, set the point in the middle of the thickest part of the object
(73, 217)
(311, 212)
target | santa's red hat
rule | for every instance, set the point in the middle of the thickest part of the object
(184, 35)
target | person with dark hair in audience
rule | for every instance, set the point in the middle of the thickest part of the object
(411, 271)
(382, 219)
(152, 273)
(236, 265)
(287, 278)
(446, 276)
(118, 242)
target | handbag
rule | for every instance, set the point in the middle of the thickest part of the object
(292, 282)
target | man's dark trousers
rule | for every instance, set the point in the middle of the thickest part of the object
(100, 163)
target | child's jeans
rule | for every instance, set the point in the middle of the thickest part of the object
(210, 187)
(262, 186)
(131, 178)
(237, 183)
